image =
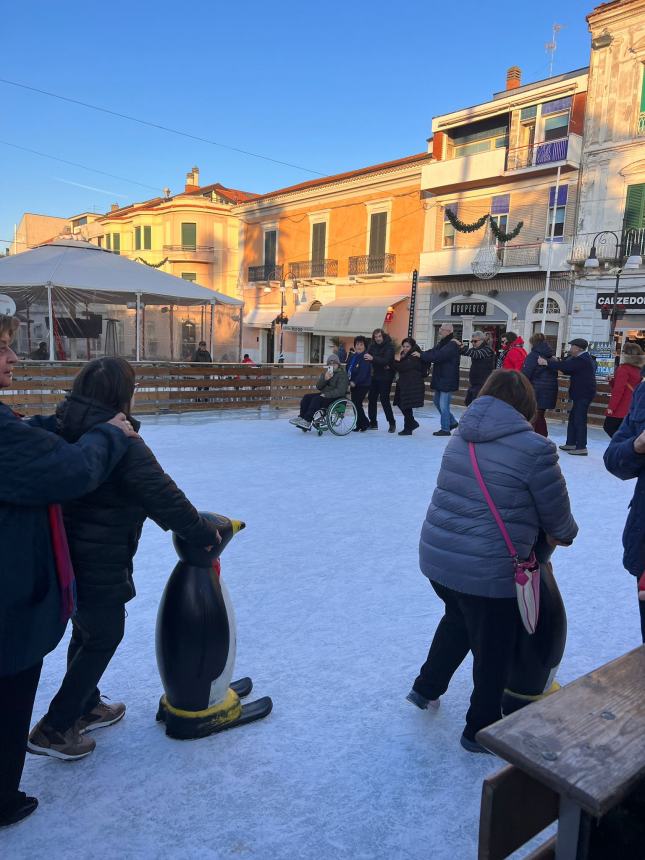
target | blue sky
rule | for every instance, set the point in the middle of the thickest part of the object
(330, 87)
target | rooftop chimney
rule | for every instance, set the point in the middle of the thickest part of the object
(114, 207)
(192, 179)
(513, 78)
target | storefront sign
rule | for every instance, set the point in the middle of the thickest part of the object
(629, 301)
(468, 309)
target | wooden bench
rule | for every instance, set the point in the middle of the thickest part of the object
(575, 756)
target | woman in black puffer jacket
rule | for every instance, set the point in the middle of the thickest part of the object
(410, 389)
(543, 379)
(103, 531)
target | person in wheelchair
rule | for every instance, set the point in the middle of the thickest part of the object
(332, 385)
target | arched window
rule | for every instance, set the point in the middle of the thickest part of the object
(552, 307)
(315, 306)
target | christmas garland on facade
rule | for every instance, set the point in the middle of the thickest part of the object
(499, 234)
(151, 265)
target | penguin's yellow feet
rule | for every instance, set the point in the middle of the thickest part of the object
(226, 714)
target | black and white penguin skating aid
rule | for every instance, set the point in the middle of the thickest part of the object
(195, 643)
(538, 656)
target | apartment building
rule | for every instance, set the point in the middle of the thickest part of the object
(515, 158)
(329, 259)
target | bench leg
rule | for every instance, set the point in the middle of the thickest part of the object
(574, 829)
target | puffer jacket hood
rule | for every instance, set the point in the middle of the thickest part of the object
(461, 546)
(76, 415)
(489, 418)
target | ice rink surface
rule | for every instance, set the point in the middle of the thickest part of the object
(334, 619)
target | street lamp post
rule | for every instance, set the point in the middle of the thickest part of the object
(632, 262)
(283, 320)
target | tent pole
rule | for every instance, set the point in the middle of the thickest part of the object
(172, 336)
(212, 327)
(137, 324)
(50, 305)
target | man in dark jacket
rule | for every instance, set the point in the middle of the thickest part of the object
(444, 358)
(380, 353)
(40, 354)
(625, 458)
(39, 470)
(581, 367)
(482, 364)
(202, 354)
(359, 373)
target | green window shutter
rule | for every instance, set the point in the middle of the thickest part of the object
(635, 207)
(643, 90)
(378, 229)
(137, 238)
(318, 236)
(116, 243)
(189, 236)
(147, 238)
(108, 241)
(189, 276)
(270, 248)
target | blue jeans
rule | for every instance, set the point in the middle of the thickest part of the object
(442, 402)
(577, 427)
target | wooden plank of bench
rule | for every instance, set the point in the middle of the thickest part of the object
(585, 742)
(514, 808)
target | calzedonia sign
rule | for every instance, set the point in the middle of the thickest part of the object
(468, 309)
(628, 301)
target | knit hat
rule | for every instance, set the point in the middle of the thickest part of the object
(333, 359)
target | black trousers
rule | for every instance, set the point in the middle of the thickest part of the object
(311, 403)
(409, 422)
(17, 694)
(380, 390)
(358, 394)
(487, 626)
(96, 633)
(471, 394)
(577, 426)
(641, 609)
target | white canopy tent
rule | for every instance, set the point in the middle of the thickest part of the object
(84, 272)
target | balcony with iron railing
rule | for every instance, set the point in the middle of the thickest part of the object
(190, 252)
(526, 256)
(384, 264)
(631, 241)
(267, 272)
(314, 269)
(520, 256)
(545, 153)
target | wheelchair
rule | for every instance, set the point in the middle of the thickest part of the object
(339, 418)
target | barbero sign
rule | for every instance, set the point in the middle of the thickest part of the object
(468, 309)
(628, 301)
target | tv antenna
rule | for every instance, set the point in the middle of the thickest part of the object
(552, 46)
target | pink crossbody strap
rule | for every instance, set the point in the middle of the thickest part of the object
(491, 503)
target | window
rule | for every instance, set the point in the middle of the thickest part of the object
(189, 236)
(147, 238)
(635, 208)
(137, 238)
(499, 210)
(318, 238)
(552, 307)
(108, 241)
(270, 247)
(100, 240)
(316, 348)
(557, 210)
(556, 127)
(80, 222)
(189, 276)
(378, 232)
(116, 243)
(448, 229)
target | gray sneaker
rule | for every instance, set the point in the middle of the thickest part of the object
(68, 746)
(578, 452)
(567, 447)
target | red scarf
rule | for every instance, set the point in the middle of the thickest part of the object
(63, 562)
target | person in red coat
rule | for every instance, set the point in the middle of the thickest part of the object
(627, 377)
(515, 354)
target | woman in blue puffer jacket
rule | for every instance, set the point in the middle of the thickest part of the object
(463, 553)
(543, 379)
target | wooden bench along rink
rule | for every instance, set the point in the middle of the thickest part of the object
(574, 757)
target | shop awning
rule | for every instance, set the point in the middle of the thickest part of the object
(354, 315)
(302, 321)
(261, 317)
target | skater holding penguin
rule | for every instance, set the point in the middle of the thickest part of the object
(103, 530)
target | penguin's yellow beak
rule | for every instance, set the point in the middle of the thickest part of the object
(237, 525)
